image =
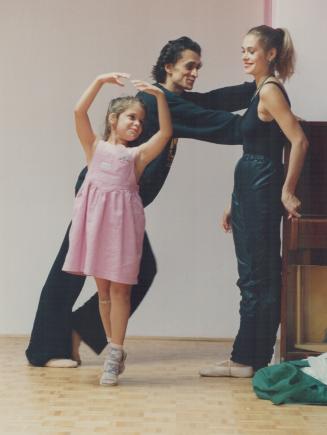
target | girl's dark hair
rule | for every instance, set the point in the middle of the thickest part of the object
(118, 106)
(171, 53)
(280, 39)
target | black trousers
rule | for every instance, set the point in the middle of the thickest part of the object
(54, 320)
(256, 218)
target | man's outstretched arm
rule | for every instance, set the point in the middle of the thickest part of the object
(230, 98)
(193, 121)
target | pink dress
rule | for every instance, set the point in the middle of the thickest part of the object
(106, 236)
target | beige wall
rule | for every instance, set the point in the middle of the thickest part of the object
(51, 50)
(306, 21)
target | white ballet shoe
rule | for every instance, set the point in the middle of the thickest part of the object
(226, 369)
(61, 363)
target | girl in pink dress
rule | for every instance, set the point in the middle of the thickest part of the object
(106, 236)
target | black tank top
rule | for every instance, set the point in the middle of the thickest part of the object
(262, 137)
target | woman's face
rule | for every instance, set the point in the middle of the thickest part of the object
(181, 75)
(255, 58)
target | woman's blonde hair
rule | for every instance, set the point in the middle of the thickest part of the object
(283, 64)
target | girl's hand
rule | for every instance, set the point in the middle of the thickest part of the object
(146, 87)
(292, 204)
(114, 78)
(226, 220)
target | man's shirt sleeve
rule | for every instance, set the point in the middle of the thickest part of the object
(230, 98)
(193, 121)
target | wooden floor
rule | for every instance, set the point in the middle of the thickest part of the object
(160, 393)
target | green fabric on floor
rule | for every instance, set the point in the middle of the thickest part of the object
(286, 383)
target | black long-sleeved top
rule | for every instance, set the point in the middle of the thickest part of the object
(202, 116)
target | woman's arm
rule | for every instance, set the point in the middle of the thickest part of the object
(275, 103)
(226, 220)
(83, 126)
(149, 150)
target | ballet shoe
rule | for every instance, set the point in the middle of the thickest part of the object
(226, 369)
(62, 363)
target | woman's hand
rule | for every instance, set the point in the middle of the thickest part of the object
(113, 78)
(147, 87)
(291, 204)
(226, 220)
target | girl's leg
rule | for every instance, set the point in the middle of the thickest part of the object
(86, 319)
(120, 296)
(104, 303)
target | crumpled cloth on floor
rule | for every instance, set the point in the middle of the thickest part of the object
(288, 383)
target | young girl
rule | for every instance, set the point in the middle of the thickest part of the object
(106, 236)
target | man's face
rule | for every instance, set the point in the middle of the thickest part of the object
(182, 75)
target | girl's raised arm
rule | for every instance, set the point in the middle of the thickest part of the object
(83, 126)
(153, 147)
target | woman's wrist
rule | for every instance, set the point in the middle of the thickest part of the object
(288, 190)
(286, 195)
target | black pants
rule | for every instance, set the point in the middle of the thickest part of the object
(54, 320)
(256, 217)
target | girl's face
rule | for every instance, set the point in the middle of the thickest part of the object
(128, 126)
(255, 58)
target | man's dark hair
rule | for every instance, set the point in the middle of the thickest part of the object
(171, 53)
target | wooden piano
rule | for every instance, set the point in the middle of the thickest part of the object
(304, 270)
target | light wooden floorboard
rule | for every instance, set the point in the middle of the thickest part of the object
(160, 393)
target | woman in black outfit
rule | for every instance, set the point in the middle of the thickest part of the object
(259, 193)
